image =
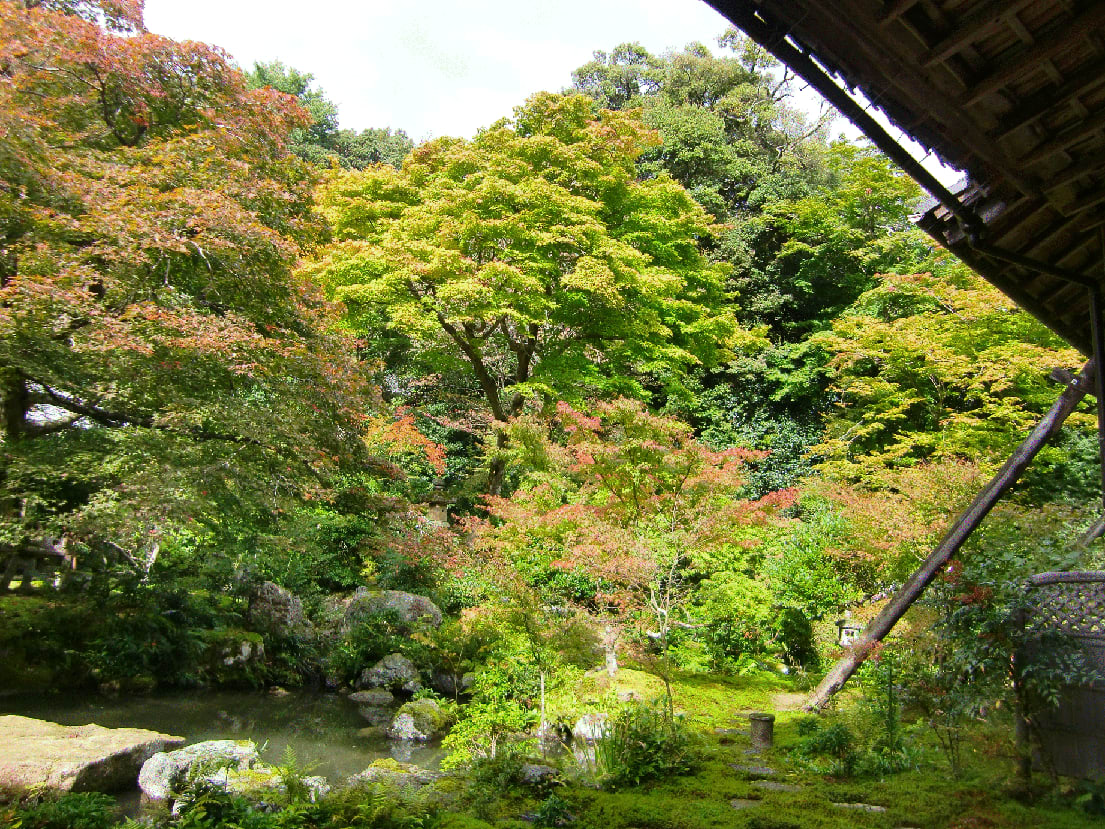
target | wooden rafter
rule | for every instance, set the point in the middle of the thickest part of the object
(978, 21)
(1070, 137)
(1024, 61)
(1050, 100)
(896, 9)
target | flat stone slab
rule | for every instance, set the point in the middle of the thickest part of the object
(861, 807)
(755, 771)
(743, 803)
(775, 786)
(75, 758)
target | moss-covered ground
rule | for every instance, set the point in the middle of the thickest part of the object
(925, 796)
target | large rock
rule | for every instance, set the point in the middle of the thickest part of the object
(538, 774)
(411, 610)
(375, 697)
(394, 774)
(234, 657)
(261, 781)
(81, 758)
(449, 684)
(418, 720)
(276, 610)
(164, 775)
(394, 672)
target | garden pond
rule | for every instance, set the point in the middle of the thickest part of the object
(323, 730)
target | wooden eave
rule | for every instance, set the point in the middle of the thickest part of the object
(1012, 92)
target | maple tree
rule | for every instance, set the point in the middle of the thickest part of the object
(940, 367)
(624, 513)
(161, 365)
(532, 257)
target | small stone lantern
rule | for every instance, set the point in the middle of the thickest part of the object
(439, 502)
(847, 630)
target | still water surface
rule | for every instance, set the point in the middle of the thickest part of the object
(320, 728)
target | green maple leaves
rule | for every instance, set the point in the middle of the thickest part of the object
(533, 254)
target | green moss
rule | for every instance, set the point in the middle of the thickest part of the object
(428, 716)
(460, 822)
(707, 700)
(233, 657)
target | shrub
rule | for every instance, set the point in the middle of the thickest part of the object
(644, 743)
(86, 810)
(552, 812)
(368, 641)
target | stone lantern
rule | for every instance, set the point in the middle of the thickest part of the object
(438, 503)
(847, 630)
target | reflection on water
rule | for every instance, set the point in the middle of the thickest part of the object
(322, 729)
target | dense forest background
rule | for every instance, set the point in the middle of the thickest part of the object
(686, 377)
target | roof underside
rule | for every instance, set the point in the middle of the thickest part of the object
(1013, 92)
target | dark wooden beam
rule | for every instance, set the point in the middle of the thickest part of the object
(1086, 79)
(851, 29)
(977, 22)
(953, 540)
(1040, 241)
(896, 9)
(1060, 38)
(1089, 164)
(1086, 204)
(761, 28)
(1081, 130)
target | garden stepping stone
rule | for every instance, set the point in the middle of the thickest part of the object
(862, 807)
(743, 803)
(754, 771)
(775, 786)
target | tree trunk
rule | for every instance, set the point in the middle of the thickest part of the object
(14, 403)
(496, 469)
(609, 645)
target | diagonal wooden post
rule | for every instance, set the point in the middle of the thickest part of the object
(960, 531)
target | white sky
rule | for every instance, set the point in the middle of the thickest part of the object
(437, 67)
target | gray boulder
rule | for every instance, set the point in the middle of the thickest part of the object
(262, 781)
(274, 609)
(377, 697)
(411, 610)
(82, 758)
(537, 774)
(448, 684)
(393, 672)
(418, 721)
(165, 774)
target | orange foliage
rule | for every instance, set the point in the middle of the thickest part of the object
(397, 437)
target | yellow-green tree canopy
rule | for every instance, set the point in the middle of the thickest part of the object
(531, 257)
